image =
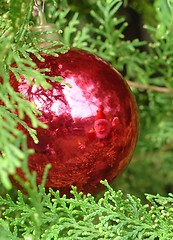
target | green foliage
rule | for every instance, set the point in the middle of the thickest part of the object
(145, 9)
(114, 216)
(99, 27)
(17, 43)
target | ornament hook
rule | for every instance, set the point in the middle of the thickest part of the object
(39, 5)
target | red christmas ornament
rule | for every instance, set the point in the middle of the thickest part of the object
(92, 125)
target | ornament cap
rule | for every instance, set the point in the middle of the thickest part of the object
(49, 30)
(46, 32)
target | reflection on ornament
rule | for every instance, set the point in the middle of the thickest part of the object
(101, 125)
(92, 125)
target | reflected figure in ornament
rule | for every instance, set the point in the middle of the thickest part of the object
(103, 129)
(102, 126)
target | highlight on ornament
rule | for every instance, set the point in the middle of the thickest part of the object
(92, 125)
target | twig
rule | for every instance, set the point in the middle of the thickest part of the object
(150, 87)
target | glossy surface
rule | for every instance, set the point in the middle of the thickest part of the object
(92, 125)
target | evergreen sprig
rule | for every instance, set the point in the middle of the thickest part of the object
(114, 216)
(17, 46)
(157, 68)
(47, 215)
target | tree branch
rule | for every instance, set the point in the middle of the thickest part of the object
(150, 87)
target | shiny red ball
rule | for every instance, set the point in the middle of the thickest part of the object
(92, 125)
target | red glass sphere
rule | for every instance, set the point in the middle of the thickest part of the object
(92, 125)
